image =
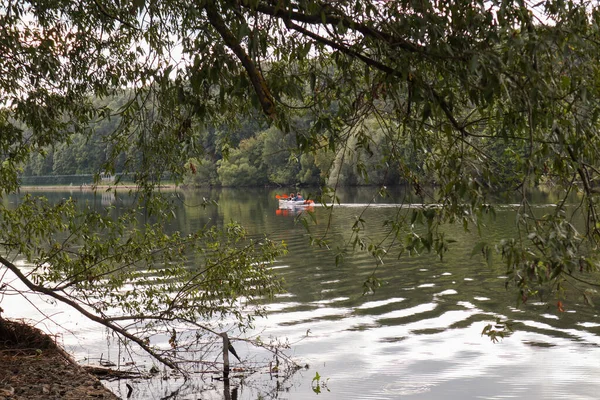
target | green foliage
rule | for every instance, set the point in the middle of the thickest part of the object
(498, 330)
(201, 173)
(318, 383)
(281, 166)
(243, 166)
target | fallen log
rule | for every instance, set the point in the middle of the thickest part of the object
(109, 373)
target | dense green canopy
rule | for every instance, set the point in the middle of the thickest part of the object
(473, 96)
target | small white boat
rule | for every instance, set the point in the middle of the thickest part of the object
(285, 203)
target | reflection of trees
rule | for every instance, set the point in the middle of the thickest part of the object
(193, 209)
(248, 206)
(108, 198)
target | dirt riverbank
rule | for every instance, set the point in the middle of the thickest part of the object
(35, 368)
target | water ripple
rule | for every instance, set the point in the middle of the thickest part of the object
(375, 304)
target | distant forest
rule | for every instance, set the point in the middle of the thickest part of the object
(248, 153)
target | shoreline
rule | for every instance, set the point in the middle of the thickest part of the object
(88, 188)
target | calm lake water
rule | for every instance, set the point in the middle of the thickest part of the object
(417, 337)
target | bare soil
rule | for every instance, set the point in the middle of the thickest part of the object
(33, 367)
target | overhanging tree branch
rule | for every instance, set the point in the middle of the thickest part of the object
(258, 82)
(324, 17)
(384, 68)
(63, 299)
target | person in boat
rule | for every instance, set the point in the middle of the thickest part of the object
(299, 197)
(292, 197)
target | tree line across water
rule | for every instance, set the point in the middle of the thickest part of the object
(249, 153)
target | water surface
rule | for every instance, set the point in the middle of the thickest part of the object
(418, 336)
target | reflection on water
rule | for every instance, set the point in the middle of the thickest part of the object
(108, 198)
(418, 336)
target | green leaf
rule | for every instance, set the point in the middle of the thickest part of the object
(478, 248)
(317, 377)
